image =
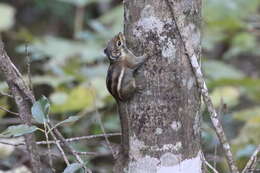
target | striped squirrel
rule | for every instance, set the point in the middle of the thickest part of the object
(121, 80)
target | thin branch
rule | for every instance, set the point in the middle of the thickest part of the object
(188, 46)
(91, 153)
(68, 140)
(60, 148)
(6, 110)
(79, 19)
(252, 161)
(23, 99)
(28, 58)
(6, 94)
(215, 154)
(211, 167)
(71, 149)
(102, 127)
(49, 148)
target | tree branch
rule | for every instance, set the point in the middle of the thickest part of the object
(251, 162)
(6, 110)
(185, 34)
(71, 150)
(24, 99)
(68, 140)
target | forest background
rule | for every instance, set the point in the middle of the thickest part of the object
(63, 42)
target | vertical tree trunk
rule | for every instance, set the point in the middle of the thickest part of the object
(164, 118)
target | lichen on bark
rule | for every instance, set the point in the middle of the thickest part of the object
(164, 115)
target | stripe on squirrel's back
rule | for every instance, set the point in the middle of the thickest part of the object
(112, 80)
(119, 82)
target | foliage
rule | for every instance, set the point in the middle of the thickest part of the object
(73, 168)
(7, 18)
(69, 68)
(40, 110)
(18, 130)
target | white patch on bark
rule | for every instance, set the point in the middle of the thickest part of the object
(144, 165)
(196, 125)
(226, 146)
(193, 165)
(148, 22)
(127, 14)
(135, 147)
(170, 147)
(169, 159)
(192, 36)
(168, 50)
(168, 163)
(176, 125)
(158, 131)
(177, 146)
(190, 83)
(167, 147)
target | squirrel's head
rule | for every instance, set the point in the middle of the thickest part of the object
(115, 47)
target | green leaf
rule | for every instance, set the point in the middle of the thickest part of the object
(18, 130)
(218, 70)
(247, 151)
(113, 19)
(53, 81)
(249, 86)
(78, 98)
(40, 110)
(242, 43)
(60, 50)
(73, 168)
(250, 115)
(7, 16)
(71, 119)
(228, 94)
(59, 98)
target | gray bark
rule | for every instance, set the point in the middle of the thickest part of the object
(164, 117)
(24, 100)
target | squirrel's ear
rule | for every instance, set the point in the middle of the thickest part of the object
(121, 37)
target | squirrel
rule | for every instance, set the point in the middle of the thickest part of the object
(121, 80)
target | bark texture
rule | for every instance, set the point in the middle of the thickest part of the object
(164, 118)
(24, 100)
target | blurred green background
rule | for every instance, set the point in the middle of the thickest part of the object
(64, 39)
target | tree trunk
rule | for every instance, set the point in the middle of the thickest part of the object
(164, 117)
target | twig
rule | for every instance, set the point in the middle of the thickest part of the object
(29, 68)
(215, 154)
(79, 19)
(102, 127)
(208, 164)
(91, 153)
(60, 148)
(202, 85)
(211, 167)
(23, 99)
(6, 94)
(49, 148)
(6, 110)
(71, 149)
(252, 161)
(68, 140)
(8, 121)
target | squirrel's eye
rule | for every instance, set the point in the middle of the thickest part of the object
(119, 43)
